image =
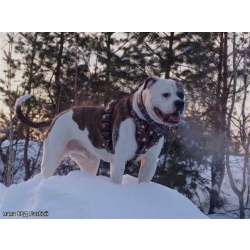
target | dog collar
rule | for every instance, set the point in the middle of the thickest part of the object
(158, 128)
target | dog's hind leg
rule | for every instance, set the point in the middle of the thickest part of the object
(84, 159)
(52, 156)
(92, 164)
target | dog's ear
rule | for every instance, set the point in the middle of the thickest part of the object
(149, 82)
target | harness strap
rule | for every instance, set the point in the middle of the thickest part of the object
(106, 129)
(147, 132)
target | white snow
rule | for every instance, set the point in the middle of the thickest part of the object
(81, 195)
(2, 191)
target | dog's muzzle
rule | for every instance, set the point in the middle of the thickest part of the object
(179, 104)
(173, 118)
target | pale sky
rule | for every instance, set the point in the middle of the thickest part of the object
(1, 55)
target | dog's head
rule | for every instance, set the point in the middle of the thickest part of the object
(163, 100)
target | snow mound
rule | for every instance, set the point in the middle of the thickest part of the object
(81, 195)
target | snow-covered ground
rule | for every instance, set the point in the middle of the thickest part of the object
(81, 195)
(82, 200)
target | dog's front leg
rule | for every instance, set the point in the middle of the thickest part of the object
(149, 162)
(124, 149)
(147, 169)
(117, 167)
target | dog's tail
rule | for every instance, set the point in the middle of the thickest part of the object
(24, 119)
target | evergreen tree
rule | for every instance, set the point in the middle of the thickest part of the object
(111, 76)
(184, 159)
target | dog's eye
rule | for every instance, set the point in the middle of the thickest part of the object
(166, 95)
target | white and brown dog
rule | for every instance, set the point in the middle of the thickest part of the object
(130, 129)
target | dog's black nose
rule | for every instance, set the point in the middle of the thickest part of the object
(179, 104)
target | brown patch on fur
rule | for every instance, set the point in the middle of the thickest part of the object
(91, 118)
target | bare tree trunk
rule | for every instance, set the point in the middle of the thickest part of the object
(218, 162)
(4, 157)
(30, 68)
(170, 54)
(58, 91)
(76, 69)
(107, 82)
(9, 174)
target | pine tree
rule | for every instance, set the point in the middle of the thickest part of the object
(112, 76)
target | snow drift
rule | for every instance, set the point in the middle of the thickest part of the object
(81, 195)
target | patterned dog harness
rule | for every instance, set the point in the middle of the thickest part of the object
(106, 127)
(147, 134)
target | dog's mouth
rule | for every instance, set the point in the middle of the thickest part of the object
(173, 118)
